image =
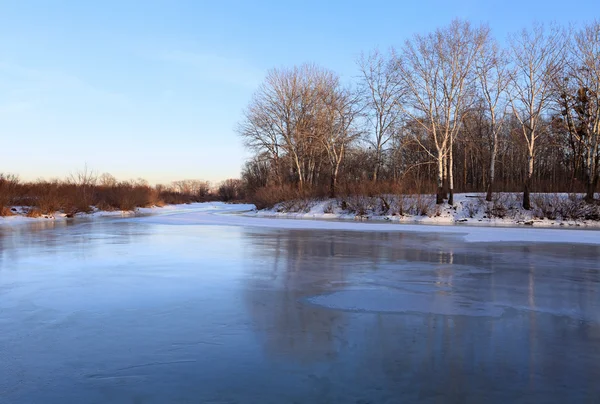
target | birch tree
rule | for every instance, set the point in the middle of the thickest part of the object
(491, 68)
(536, 56)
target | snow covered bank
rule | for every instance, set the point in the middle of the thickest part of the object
(19, 215)
(549, 210)
(245, 215)
(219, 214)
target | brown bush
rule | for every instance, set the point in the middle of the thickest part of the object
(5, 211)
(34, 212)
(82, 192)
(269, 196)
(9, 184)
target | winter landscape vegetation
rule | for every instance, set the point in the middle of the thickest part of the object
(422, 226)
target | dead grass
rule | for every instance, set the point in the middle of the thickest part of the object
(34, 212)
(5, 211)
(389, 205)
(556, 206)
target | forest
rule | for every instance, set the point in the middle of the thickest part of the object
(454, 110)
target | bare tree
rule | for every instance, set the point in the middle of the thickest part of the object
(437, 72)
(536, 55)
(261, 128)
(85, 180)
(381, 92)
(279, 116)
(579, 99)
(491, 67)
(107, 180)
(283, 118)
(337, 129)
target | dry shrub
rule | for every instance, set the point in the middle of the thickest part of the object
(502, 205)
(231, 190)
(268, 197)
(302, 205)
(5, 211)
(81, 192)
(414, 205)
(34, 212)
(556, 206)
(359, 205)
(472, 208)
(9, 185)
(47, 197)
(395, 205)
(105, 206)
(370, 188)
(545, 206)
(424, 205)
(329, 208)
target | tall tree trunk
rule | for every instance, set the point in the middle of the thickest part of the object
(300, 173)
(440, 180)
(527, 183)
(445, 177)
(490, 189)
(277, 171)
(333, 184)
(334, 176)
(377, 164)
(590, 188)
(589, 174)
(450, 175)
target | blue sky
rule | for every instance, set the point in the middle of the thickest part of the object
(154, 89)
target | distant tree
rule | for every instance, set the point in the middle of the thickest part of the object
(336, 126)
(381, 94)
(85, 181)
(256, 173)
(491, 67)
(230, 190)
(280, 116)
(536, 56)
(579, 99)
(107, 180)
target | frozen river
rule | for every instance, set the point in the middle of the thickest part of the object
(216, 310)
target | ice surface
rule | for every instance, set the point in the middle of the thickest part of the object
(388, 301)
(211, 306)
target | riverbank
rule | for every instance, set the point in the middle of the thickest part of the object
(548, 210)
(19, 214)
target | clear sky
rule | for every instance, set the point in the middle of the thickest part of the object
(154, 89)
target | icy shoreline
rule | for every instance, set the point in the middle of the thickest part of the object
(469, 209)
(245, 215)
(19, 216)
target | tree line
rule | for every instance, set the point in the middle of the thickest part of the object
(448, 110)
